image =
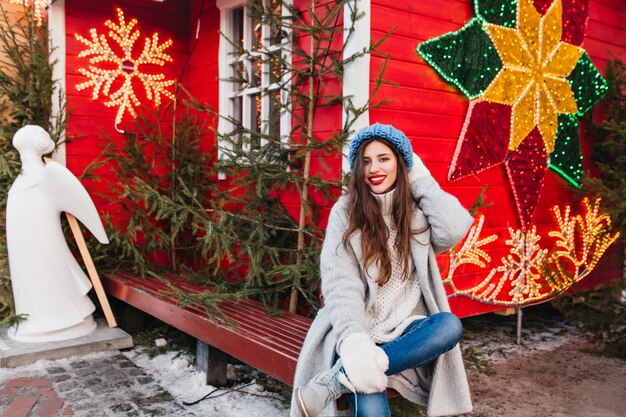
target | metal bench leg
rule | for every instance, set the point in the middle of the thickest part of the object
(212, 362)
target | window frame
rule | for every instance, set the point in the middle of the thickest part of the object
(227, 62)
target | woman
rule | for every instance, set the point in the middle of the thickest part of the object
(385, 320)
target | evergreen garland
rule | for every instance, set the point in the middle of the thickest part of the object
(26, 97)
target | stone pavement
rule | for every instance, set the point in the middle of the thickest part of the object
(103, 384)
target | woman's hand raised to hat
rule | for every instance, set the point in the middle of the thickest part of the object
(419, 170)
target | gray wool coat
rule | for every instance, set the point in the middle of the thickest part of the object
(349, 294)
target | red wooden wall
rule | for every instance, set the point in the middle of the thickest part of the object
(90, 120)
(431, 112)
(326, 119)
(202, 74)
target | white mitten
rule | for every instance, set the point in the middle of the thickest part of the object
(419, 170)
(365, 363)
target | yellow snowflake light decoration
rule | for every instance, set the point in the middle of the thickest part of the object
(530, 273)
(521, 270)
(125, 68)
(38, 5)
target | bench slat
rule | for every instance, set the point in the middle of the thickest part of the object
(256, 329)
(295, 321)
(256, 326)
(251, 318)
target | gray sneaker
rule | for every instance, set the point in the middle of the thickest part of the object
(323, 388)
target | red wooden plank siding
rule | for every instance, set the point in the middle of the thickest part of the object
(202, 73)
(432, 112)
(427, 108)
(89, 119)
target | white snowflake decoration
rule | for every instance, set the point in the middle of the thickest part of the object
(126, 68)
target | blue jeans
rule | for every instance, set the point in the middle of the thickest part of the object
(420, 344)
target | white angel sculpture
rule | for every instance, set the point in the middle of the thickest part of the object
(49, 287)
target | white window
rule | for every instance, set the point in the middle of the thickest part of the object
(251, 52)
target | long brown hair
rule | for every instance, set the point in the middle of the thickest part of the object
(365, 215)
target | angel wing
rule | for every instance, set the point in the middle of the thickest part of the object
(70, 196)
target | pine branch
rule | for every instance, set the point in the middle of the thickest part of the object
(239, 235)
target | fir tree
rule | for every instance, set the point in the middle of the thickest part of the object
(603, 311)
(609, 149)
(239, 236)
(280, 251)
(156, 177)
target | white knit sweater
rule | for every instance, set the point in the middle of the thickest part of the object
(399, 301)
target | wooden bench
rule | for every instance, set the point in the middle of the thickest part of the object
(270, 344)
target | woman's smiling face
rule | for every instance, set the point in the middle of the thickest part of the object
(380, 167)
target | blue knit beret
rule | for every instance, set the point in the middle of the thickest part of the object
(378, 130)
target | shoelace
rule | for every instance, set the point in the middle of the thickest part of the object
(346, 383)
(334, 387)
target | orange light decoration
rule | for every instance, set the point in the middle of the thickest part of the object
(126, 68)
(470, 252)
(529, 273)
(591, 231)
(520, 270)
(39, 6)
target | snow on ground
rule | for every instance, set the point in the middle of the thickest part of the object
(488, 339)
(491, 338)
(39, 368)
(172, 372)
(494, 338)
